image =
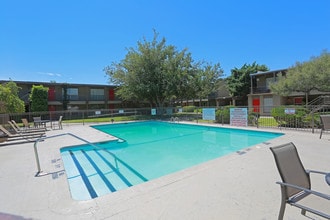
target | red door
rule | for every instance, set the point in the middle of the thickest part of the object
(111, 98)
(51, 94)
(256, 105)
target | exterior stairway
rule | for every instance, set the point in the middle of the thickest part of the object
(321, 103)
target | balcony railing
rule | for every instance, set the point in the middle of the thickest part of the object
(81, 98)
(71, 98)
(97, 98)
(261, 89)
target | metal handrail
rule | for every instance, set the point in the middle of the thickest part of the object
(40, 172)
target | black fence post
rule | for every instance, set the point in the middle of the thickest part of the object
(83, 117)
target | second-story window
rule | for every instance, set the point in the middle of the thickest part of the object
(269, 81)
(72, 93)
(97, 94)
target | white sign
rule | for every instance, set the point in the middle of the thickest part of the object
(97, 112)
(238, 117)
(290, 111)
(208, 113)
(121, 111)
(153, 111)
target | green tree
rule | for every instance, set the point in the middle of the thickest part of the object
(205, 81)
(154, 72)
(39, 98)
(9, 99)
(321, 66)
(305, 77)
(239, 81)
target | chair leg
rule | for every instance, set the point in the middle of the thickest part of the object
(321, 134)
(282, 209)
(283, 204)
(303, 212)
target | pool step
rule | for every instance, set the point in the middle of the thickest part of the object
(98, 172)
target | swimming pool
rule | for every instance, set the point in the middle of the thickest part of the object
(148, 150)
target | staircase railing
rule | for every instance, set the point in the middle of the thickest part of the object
(319, 103)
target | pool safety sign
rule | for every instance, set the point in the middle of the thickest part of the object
(238, 117)
(208, 113)
(153, 111)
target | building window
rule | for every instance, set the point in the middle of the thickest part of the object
(268, 104)
(72, 94)
(97, 94)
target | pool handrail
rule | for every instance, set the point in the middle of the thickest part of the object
(41, 173)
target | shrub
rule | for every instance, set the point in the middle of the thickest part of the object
(188, 108)
(39, 98)
(299, 119)
(253, 118)
(198, 110)
(222, 115)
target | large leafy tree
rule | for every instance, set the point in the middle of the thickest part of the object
(158, 73)
(239, 81)
(9, 99)
(205, 80)
(146, 73)
(305, 77)
(39, 98)
(321, 66)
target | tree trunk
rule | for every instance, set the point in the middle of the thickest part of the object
(234, 101)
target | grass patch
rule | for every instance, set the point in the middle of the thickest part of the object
(109, 119)
(267, 122)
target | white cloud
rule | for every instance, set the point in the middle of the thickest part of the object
(50, 74)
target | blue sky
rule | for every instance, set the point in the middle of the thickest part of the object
(72, 41)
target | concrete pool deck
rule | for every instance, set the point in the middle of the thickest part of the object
(237, 186)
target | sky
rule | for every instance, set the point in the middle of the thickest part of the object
(73, 41)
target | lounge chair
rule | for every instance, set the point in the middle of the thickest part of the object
(296, 183)
(325, 123)
(25, 123)
(26, 136)
(19, 130)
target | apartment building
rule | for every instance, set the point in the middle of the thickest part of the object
(78, 96)
(262, 100)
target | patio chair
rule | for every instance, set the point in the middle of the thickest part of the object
(58, 123)
(28, 127)
(325, 123)
(11, 136)
(296, 183)
(36, 121)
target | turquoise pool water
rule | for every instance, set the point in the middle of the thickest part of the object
(148, 150)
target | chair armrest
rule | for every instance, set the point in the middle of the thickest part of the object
(317, 172)
(327, 175)
(322, 195)
(327, 178)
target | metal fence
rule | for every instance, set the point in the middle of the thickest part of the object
(308, 122)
